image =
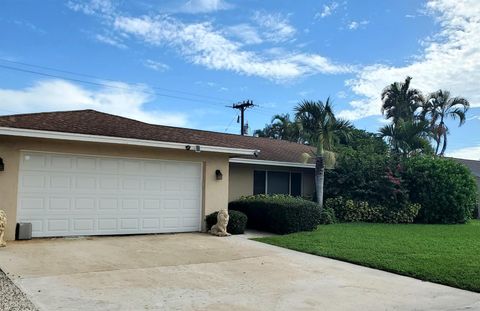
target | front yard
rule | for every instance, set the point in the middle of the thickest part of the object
(446, 254)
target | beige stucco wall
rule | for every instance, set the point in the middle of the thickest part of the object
(215, 192)
(241, 179)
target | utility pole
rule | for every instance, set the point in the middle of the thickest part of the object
(242, 107)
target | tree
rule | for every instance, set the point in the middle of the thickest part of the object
(437, 108)
(400, 102)
(321, 129)
(281, 127)
(408, 138)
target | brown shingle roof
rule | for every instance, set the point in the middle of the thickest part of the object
(98, 123)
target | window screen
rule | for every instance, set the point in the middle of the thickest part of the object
(278, 183)
(296, 184)
(259, 182)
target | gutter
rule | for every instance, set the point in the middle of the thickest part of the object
(8, 131)
(271, 163)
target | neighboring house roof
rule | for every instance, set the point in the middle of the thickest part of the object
(91, 122)
(473, 165)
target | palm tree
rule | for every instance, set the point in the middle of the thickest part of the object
(285, 128)
(322, 130)
(400, 102)
(440, 106)
(408, 138)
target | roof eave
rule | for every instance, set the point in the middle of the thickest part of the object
(271, 163)
(10, 131)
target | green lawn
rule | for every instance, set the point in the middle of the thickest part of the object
(446, 254)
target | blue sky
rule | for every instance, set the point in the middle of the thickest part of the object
(181, 62)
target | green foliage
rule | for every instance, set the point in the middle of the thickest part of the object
(281, 127)
(236, 223)
(327, 216)
(362, 141)
(445, 188)
(361, 211)
(363, 176)
(278, 213)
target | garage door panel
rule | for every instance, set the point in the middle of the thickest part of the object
(58, 204)
(85, 164)
(65, 195)
(64, 163)
(34, 161)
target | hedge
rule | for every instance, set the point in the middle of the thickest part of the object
(347, 210)
(446, 189)
(279, 214)
(236, 223)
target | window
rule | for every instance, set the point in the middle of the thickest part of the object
(275, 182)
(296, 184)
(259, 184)
(278, 183)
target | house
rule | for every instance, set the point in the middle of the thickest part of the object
(474, 167)
(91, 173)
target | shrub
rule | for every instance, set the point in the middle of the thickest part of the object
(280, 214)
(445, 189)
(370, 177)
(236, 223)
(347, 210)
(327, 216)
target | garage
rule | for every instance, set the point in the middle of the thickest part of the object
(73, 194)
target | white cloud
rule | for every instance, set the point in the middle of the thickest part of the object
(451, 60)
(327, 10)
(276, 27)
(120, 99)
(92, 7)
(201, 44)
(473, 118)
(157, 66)
(110, 40)
(470, 153)
(205, 6)
(246, 33)
(354, 25)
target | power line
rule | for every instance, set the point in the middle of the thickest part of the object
(110, 80)
(151, 92)
(229, 124)
(106, 85)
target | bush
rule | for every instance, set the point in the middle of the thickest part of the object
(327, 216)
(347, 210)
(236, 223)
(280, 214)
(370, 177)
(446, 189)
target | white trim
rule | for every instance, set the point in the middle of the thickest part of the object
(271, 163)
(119, 140)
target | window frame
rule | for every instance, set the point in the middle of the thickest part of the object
(280, 171)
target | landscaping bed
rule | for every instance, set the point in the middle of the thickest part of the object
(445, 254)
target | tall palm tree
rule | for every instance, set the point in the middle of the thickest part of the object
(400, 102)
(323, 130)
(437, 108)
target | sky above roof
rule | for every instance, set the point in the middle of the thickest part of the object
(181, 62)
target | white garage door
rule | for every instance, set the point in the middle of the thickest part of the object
(65, 195)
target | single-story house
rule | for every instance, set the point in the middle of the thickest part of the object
(474, 167)
(91, 173)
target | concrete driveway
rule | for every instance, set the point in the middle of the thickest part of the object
(202, 272)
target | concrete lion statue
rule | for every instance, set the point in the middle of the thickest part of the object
(220, 228)
(3, 226)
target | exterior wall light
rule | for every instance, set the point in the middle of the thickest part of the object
(2, 165)
(218, 175)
